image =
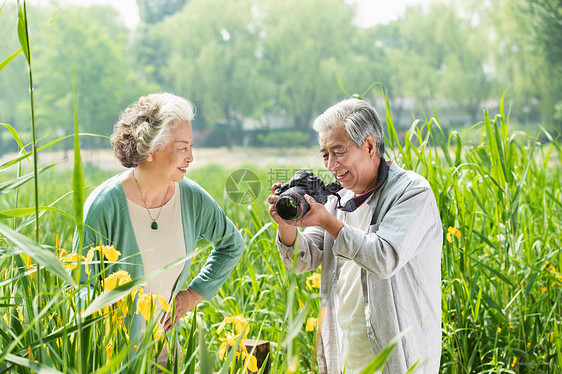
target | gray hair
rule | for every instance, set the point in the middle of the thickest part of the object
(358, 117)
(144, 127)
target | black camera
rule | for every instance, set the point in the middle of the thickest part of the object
(291, 204)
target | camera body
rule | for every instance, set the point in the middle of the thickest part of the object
(291, 204)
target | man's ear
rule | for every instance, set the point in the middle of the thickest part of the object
(370, 146)
(149, 157)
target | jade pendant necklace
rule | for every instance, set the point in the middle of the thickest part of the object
(154, 224)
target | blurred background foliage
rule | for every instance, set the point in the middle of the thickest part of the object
(253, 66)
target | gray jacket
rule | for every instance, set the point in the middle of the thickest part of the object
(400, 257)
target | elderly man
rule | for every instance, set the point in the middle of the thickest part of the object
(380, 250)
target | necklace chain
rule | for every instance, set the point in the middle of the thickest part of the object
(154, 224)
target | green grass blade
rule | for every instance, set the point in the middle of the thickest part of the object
(17, 182)
(379, 361)
(23, 212)
(15, 135)
(9, 59)
(36, 252)
(22, 32)
(32, 365)
(341, 85)
(78, 173)
(231, 355)
(205, 362)
(122, 291)
(27, 155)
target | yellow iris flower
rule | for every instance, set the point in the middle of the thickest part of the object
(452, 232)
(71, 261)
(230, 340)
(313, 281)
(61, 253)
(253, 361)
(109, 350)
(110, 253)
(147, 302)
(116, 279)
(239, 322)
(311, 323)
(240, 326)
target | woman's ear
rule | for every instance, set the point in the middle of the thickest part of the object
(149, 157)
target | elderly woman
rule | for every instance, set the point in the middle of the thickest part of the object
(380, 250)
(153, 214)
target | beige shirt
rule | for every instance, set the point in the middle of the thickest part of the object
(160, 247)
(356, 348)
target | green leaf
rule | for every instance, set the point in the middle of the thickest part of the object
(27, 155)
(40, 255)
(14, 135)
(492, 304)
(13, 55)
(17, 182)
(9, 59)
(189, 366)
(36, 367)
(22, 32)
(205, 363)
(22, 212)
(122, 291)
(379, 361)
(78, 173)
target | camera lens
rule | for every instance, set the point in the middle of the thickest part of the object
(291, 206)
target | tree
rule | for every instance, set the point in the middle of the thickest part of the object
(92, 44)
(214, 58)
(462, 76)
(306, 43)
(154, 11)
(150, 51)
(14, 96)
(546, 24)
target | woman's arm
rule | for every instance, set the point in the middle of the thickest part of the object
(228, 247)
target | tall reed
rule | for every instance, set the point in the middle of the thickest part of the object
(499, 200)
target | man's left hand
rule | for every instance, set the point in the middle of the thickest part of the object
(318, 215)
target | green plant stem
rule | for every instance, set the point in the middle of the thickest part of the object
(35, 157)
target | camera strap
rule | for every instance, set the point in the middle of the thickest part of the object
(358, 200)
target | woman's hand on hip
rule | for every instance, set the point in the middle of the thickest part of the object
(185, 300)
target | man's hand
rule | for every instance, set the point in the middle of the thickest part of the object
(319, 216)
(287, 229)
(316, 216)
(185, 300)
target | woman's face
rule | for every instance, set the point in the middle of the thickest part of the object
(171, 162)
(351, 166)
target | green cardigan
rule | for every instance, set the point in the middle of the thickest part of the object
(107, 220)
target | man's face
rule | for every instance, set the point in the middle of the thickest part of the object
(352, 166)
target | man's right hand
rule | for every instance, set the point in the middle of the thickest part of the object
(287, 229)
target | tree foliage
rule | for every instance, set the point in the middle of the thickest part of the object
(153, 11)
(281, 63)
